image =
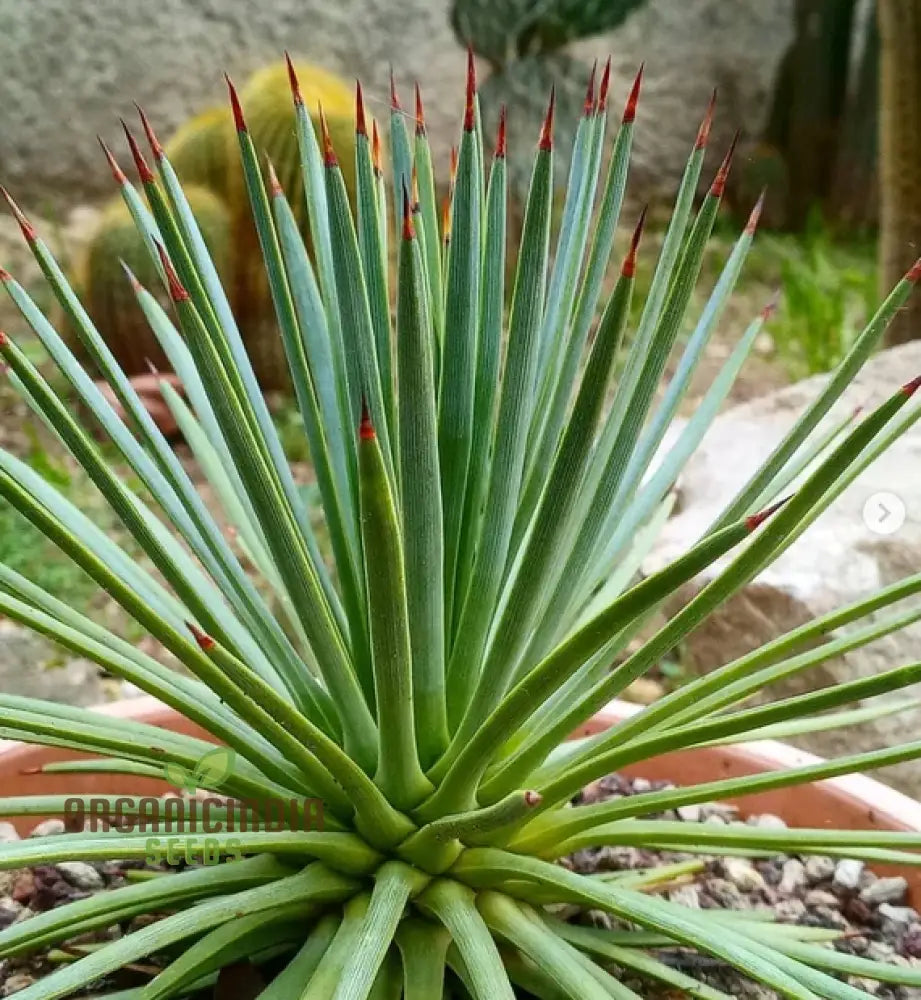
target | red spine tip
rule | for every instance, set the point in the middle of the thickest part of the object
(914, 274)
(366, 428)
(703, 133)
(130, 275)
(176, 290)
(546, 131)
(910, 388)
(755, 216)
(28, 230)
(376, 159)
(144, 171)
(204, 640)
(155, 148)
(420, 112)
(329, 154)
(771, 307)
(293, 82)
(634, 97)
(532, 798)
(589, 107)
(117, 171)
(4, 339)
(5, 275)
(719, 182)
(409, 230)
(604, 85)
(501, 133)
(758, 519)
(628, 269)
(394, 99)
(275, 188)
(238, 120)
(361, 125)
(469, 105)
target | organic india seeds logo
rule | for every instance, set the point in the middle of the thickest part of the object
(192, 825)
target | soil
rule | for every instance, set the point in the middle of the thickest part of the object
(870, 912)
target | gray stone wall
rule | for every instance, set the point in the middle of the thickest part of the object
(71, 67)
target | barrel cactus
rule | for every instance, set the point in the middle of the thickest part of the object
(390, 785)
(109, 299)
(203, 152)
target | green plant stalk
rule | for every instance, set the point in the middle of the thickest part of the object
(421, 502)
(399, 774)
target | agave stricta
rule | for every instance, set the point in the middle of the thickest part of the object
(486, 514)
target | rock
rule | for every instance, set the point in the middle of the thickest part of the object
(31, 666)
(885, 890)
(739, 52)
(689, 814)
(643, 691)
(81, 875)
(819, 868)
(837, 560)
(10, 911)
(16, 982)
(767, 821)
(820, 897)
(742, 875)
(685, 895)
(793, 878)
(8, 834)
(790, 911)
(847, 874)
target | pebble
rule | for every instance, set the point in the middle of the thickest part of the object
(820, 897)
(724, 894)
(885, 890)
(767, 821)
(49, 828)
(898, 914)
(690, 814)
(742, 874)
(685, 895)
(10, 911)
(847, 874)
(789, 911)
(18, 981)
(819, 868)
(81, 875)
(8, 834)
(793, 877)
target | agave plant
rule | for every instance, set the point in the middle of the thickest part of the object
(469, 602)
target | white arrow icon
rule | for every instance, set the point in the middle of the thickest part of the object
(884, 513)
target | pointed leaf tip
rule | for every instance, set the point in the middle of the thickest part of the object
(155, 148)
(758, 519)
(420, 112)
(409, 230)
(144, 171)
(469, 106)
(394, 99)
(238, 120)
(366, 429)
(588, 107)
(634, 97)
(603, 86)
(204, 640)
(176, 290)
(293, 81)
(329, 154)
(501, 133)
(275, 188)
(361, 125)
(914, 274)
(628, 268)
(376, 160)
(117, 171)
(755, 216)
(130, 275)
(4, 339)
(5, 275)
(771, 306)
(719, 182)
(703, 133)
(546, 131)
(28, 230)
(910, 388)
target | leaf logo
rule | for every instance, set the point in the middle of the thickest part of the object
(211, 771)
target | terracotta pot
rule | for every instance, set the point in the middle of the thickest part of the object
(854, 802)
